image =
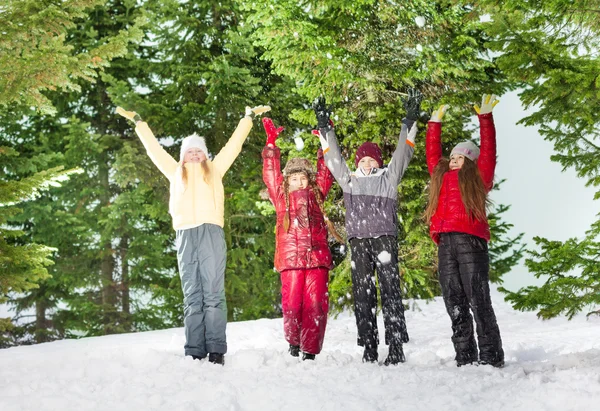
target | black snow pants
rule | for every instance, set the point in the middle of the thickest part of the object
(368, 255)
(464, 279)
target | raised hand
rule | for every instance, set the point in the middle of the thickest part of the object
(488, 102)
(256, 111)
(271, 130)
(129, 115)
(322, 111)
(437, 115)
(412, 104)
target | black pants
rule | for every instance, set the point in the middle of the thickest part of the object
(369, 254)
(464, 279)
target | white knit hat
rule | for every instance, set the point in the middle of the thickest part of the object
(193, 141)
(467, 149)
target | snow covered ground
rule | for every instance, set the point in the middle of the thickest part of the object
(551, 365)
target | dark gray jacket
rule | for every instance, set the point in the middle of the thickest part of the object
(371, 201)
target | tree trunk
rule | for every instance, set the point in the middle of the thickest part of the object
(125, 301)
(41, 323)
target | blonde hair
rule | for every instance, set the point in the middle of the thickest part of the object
(205, 172)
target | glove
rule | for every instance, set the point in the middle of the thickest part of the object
(129, 115)
(271, 131)
(437, 115)
(488, 102)
(322, 112)
(412, 104)
(256, 111)
(412, 133)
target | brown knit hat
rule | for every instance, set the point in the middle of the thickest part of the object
(298, 165)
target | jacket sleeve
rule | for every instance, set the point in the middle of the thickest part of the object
(272, 171)
(232, 149)
(334, 160)
(161, 159)
(402, 155)
(324, 177)
(487, 156)
(433, 145)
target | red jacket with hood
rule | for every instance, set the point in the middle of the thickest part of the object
(450, 215)
(305, 244)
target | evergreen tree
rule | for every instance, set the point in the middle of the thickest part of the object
(34, 59)
(550, 49)
(362, 56)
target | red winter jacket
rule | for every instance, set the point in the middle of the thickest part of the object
(304, 245)
(450, 215)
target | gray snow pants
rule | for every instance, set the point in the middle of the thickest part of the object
(201, 254)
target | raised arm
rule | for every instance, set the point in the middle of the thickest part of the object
(404, 151)
(324, 177)
(433, 138)
(487, 131)
(331, 149)
(161, 159)
(272, 175)
(272, 160)
(232, 149)
(406, 142)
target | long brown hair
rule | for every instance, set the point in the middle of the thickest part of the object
(472, 191)
(313, 185)
(205, 173)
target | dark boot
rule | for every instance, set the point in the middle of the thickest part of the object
(198, 357)
(395, 355)
(294, 350)
(216, 358)
(307, 356)
(370, 354)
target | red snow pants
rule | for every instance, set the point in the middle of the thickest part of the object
(305, 303)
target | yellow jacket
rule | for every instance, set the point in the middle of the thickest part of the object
(197, 202)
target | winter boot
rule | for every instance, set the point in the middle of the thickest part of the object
(496, 363)
(370, 354)
(216, 358)
(198, 357)
(307, 356)
(395, 355)
(294, 350)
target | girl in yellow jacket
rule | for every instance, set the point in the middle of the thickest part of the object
(196, 204)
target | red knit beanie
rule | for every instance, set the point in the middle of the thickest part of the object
(369, 149)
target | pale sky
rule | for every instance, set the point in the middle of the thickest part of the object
(544, 200)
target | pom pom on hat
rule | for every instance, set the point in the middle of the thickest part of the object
(467, 149)
(371, 150)
(193, 141)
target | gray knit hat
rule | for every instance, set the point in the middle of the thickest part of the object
(467, 149)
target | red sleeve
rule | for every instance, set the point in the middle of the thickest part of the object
(272, 171)
(487, 155)
(324, 176)
(433, 145)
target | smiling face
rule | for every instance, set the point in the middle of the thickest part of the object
(297, 181)
(367, 164)
(194, 155)
(456, 161)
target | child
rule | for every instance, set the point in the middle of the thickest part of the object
(196, 205)
(371, 199)
(458, 225)
(302, 253)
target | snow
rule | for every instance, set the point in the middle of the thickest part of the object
(299, 143)
(384, 257)
(551, 365)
